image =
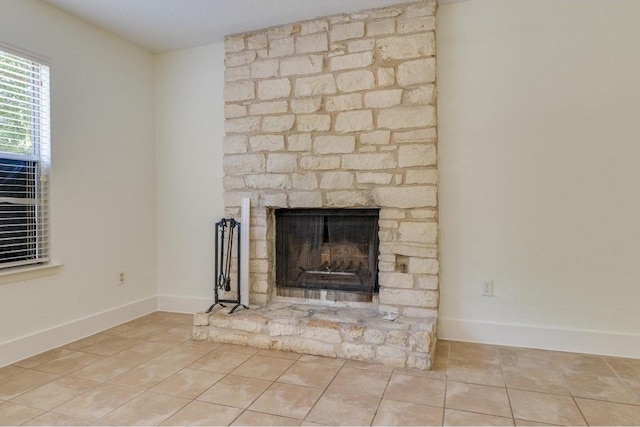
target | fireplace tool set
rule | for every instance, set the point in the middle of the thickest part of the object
(227, 235)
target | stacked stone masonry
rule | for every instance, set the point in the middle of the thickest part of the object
(340, 112)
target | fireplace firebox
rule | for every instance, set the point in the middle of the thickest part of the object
(327, 253)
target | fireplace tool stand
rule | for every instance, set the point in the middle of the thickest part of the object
(227, 235)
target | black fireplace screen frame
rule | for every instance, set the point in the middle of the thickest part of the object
(306, 242)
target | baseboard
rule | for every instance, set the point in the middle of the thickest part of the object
(572, 340)
(20, 348)
(189, 305)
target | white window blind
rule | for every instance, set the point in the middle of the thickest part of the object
(24, 160)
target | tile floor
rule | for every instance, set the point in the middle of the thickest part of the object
(149, 372)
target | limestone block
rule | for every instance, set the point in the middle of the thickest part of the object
(406, 197)
(383, 98)
(392, 214)
(242, 125)
(361, 45)
(387, 12)
(344, 102)
(278, 123)
(232, 111)
(348, 198)
(351, 81)
(261, 286)
(200, 333)
(369, 161)
(237, 73)
(336, 180)
(418, 361)
(422, 313)
(417, 72)
(351, 30)
(406, 47)
(428, 282)
(351, 332)
(322, 331)
(266, 143)
(231, 182)
(423, 265)
(307, 181)
(305, 199)
(278, 327)
(272, 107)
(228, 337)
(313, 122)
(239, 91)
(320, 162)
(408, 297)
(316, 26)
(356, 60)
(391, 356)
(386, 76)
(270, 181)
(396, 280)
(281, 47)
(363, 352)
(306, 105)
(376, 137)
(333, 144)
(324, 84)
(423, 8)
(234, 43)
(421, 95)
(257, 41)
(414, 25)
(283, 31)
(354, 121)
(421, 232)
(258, 266)
(244, 163)
(235, 144)
(299, 142)
(417, 155)
(407, 117)
(420, 341)
(418, 135)
(373, 178)
(219, 320)
(397, 338)
(260, 247)
(317, 42)
(239, 58)
(421, 176)
(385, 26)
(307, 64)
(308, 346)
(258, 299)
(264, 69)
(272, 89)
(283, 163)
(201, 319)
(260, 341)
(248, 323)
(374, 336)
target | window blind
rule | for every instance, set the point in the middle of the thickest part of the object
(24, 160)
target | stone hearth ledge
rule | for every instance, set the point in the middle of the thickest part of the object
(331, 331)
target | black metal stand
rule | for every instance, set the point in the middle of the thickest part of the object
(227, 234)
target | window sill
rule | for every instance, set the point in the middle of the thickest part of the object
(29, 272)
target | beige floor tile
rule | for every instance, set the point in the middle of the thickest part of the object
(473, 351)
(391, 413)
(322, 360)
(7, 371)
(239, 348)
(516, 357)
(626, 368)
(453, 417)
(188, 383)
(174, 334)
(144, 351)
(22, 382)
(203, 414)
(211, 345)
(110, 345)
(98, 402)
(609, 413)
(335, 408)
(442, 349)
(87, 341)
(53, 419)
(117, 330)
(69, 362)
(530, 423)
(545, 408)
(420, 390)
(263, 368)
(221, 361)
(181, 356)
(287, 400)
(251, 418)
(368, 366)
(364, 382)
(105, 369)
(582, 364)
(55, 393)
(147, 409)
(601, 388)
(278, 353)
(235, 391)
(143, 331)
(529, 378)
(14, 413)
(634, 385)
(478, 398)
(146, 375)
(41, 358)
(475, 371)
(309, 374)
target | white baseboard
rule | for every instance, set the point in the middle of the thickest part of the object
(572, 340)
(20, 348)
(189, 305)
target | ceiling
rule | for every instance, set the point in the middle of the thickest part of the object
(165, 25)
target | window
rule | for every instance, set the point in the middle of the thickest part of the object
(24, 160)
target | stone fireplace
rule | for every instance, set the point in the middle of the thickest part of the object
(331, 114)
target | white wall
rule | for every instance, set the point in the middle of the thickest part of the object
(103, 182)
(190, 128)
(539, 178)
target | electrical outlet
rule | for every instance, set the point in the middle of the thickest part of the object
(122, 278)
(487, 288)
